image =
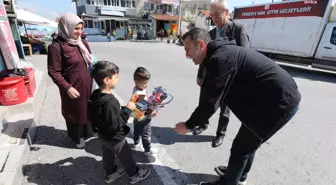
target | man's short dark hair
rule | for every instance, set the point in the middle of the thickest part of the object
(103, 69)
(197, 34)
(141, 74)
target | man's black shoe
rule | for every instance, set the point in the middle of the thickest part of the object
(199, 130)
(217, 141)
(221, 170)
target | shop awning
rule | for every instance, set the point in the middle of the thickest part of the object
(30, 18)
(162, 17)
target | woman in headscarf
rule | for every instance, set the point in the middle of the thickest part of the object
(69, 58)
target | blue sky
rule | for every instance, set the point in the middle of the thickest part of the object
(51, 9)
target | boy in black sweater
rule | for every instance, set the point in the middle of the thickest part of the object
(110, 120)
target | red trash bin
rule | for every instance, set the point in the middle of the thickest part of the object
(12, 91)
(30, 82)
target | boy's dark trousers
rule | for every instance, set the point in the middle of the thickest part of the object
(143, 129)
(121, 150)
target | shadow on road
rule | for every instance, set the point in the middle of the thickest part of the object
(93, 147)
(52, 136)
(167, 136)
(46, 135)
(87, 170)
(310, 75)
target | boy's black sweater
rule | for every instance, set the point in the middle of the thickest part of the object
(106, 115)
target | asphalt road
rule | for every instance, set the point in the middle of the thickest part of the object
(303, 152)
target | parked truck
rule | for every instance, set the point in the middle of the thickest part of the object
(299, 33)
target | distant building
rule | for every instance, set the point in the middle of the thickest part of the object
(191, 8)
(106, 14)
(164, 15)
(204, 21)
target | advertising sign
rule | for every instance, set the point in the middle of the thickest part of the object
(174, 2)
(288, 9)
(7, 46)
(108, 11)
(2, 9)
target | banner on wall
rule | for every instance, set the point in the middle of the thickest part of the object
(7, 46)
(173, 27)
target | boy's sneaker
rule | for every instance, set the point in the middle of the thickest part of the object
(112, 177)
(81, 143)
(136, 144)
(242, 183)
(221, 170)
(149, 153)
(141, 175)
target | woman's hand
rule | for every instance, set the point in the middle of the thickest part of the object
(73, 93)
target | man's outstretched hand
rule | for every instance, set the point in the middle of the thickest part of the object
(181, 128)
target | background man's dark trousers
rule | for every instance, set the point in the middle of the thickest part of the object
(143, 129)
(223, 122)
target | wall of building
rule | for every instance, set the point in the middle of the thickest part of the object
(159, 8)
(107, 7)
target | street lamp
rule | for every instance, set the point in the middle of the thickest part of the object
(179, 18)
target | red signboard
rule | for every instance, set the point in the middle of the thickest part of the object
(7, 45)
(2, 9)
(289, 9)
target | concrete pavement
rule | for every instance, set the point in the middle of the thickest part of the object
(301, 153)
(17, 127)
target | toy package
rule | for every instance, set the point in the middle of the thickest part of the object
(157, 100)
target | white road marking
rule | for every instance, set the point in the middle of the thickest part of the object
(158, 150)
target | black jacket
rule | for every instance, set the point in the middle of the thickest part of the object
(235, 30)
(257, 90)
(105, 115)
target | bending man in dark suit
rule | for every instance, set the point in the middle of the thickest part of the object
(262, 95)
(219, 13)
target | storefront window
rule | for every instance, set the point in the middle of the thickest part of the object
(123, 3)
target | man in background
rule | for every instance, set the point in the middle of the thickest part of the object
(219, 13)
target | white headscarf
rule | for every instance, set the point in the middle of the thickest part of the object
(66, 26)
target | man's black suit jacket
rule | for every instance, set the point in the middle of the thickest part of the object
(235, 30)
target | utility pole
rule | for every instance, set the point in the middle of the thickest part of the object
(196, 11)
(179, 18)
(75, 1)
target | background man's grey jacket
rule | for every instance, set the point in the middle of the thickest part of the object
(236, 31)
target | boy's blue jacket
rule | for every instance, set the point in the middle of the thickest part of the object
(107, 117)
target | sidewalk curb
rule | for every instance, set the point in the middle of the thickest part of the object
(18, 131)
